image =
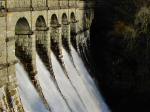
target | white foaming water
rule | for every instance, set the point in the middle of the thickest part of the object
(90, 84)
(88, 101)
(66, 87)
(83, 96)
(29, 96)
(53, 97)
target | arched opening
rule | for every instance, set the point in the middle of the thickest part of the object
(23, 47)
(55, 36)
(23, 44)
(54, 20)
(87, 18)
(84, 39)
(88, 21)
(65, 32)
(42, 40)
(73, 32)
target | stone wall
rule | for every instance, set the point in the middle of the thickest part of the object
(14, 10)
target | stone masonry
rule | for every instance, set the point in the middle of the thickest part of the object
(27, 26)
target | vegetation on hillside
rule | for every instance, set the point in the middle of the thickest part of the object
(124, 53)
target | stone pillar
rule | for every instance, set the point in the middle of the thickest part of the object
(66, 36)
(74, 29)
(69, 36)
(56, 41)
(35, 80)
(77, 35)
(43, 45)
(33, 54)
(11, 87)
(60, 41)
(48, 48)
(3, 62)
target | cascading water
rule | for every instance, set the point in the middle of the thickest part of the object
(77, 82)
(89, 82)
(66, 88)
(52, 95)
(77, 94)
(84, 87)
(29, 96)
(72, 90)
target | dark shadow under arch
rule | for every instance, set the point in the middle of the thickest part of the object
(23, 45)
(73, 30)
(55, 36)
(40, 22)
(65, 32)
(54, 20)
(22, 25)
(42, 40)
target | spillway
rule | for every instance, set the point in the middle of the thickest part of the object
(29, 96)
(71, 90)
(49, 89)
(66, 88)
(87, 79)
(77, 82)
(74, 91)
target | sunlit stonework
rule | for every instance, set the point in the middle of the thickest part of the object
(39, 27)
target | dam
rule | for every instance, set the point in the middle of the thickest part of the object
(41, 64)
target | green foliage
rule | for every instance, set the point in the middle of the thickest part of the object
(130, 53)
(142, 21)
(140, 26)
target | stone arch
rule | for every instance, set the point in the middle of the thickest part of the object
(55, 36)
(40, 22)
(86, 26)
(73, 30)
(42, 40)
(41, 32)
(23, 44)
(87, 20)
(22, 25)
(54, 20)
(65, 32)
(72, 16)
(64, 18)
